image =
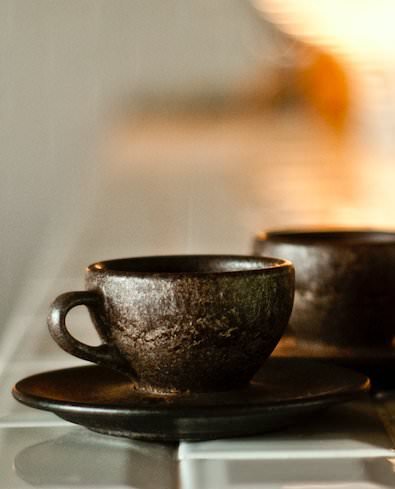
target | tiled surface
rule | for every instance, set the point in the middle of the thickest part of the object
(345, 448)
(74, 457)
(353, 430)
(290, 474)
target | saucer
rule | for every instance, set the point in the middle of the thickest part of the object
(375, 362)
(283, 392)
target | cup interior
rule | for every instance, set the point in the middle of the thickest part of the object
(188, 264)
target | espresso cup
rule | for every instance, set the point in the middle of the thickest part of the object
(345, 283)
(181, 323)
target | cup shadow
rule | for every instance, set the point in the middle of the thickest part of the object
(83, 458)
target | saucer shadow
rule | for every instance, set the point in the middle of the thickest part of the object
(83, 458)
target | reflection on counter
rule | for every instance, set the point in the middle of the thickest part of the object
(81, 458)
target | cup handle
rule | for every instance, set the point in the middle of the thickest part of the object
(104, 354)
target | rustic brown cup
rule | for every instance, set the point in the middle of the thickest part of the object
(181, 323)
(345, 285)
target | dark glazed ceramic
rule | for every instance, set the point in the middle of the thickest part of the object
(345, 285)
(376, 363)
(283, 391)
(182, 323)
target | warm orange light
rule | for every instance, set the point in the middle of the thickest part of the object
(358, 188)
(359, 29)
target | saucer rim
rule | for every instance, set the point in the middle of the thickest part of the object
(193, 423)
(360, 385)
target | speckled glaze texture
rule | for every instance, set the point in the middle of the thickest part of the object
(345, 283)
(190, 323)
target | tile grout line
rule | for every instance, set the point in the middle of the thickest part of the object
(299, 455)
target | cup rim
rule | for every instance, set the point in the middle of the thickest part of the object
(113, 267)
(329, 236)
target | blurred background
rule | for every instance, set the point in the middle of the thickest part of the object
(186, 126)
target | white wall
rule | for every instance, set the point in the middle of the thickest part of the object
(85, 175)
(64, 65)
